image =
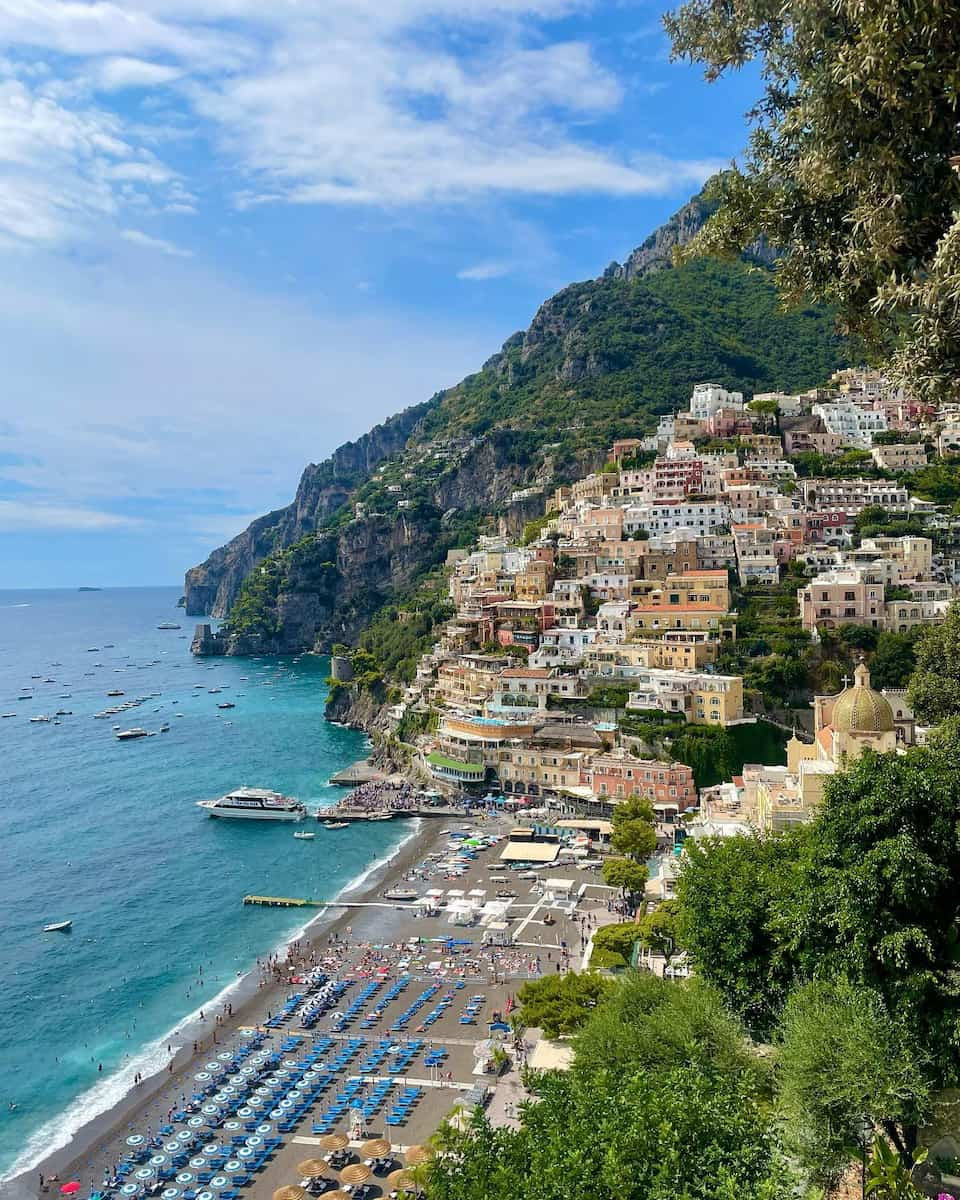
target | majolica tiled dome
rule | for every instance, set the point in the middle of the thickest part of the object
(859, 709)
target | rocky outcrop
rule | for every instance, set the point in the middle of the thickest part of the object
(211, 587)
(656, 252)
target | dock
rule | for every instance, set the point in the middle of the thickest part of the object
(295, 902)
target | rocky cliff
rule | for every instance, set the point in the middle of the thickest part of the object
(211, 587)
(600, 360)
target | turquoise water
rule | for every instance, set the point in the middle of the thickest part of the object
(107, 833)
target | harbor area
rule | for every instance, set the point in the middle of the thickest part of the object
(387, 1018)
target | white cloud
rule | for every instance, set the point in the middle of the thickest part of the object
(389, 103)
(485, 270)
(189, 402)
(137, 238)
(17, 516)
(117, 74)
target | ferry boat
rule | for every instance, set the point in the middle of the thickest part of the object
(257, 804)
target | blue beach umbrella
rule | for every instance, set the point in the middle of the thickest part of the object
(195, 1121)
(144, 1173)
(219, 1181)
(129, 1189)
(185, 1177)
(184, 1136)
(233, 1164)
(246, 1152)
(198, 1163)
(170, 1193)
(135, 1139)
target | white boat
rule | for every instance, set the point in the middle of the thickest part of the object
(42, 719)
(256, 804)
(57, 927)
(336, 824)
(115, 692)
(168, 625)
(127, 735)
(404, 895)
(303, 836)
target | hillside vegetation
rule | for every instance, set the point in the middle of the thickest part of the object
(602, 359)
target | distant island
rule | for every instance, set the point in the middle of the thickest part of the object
(89, 589)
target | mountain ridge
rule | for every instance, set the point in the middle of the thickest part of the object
(600, 359)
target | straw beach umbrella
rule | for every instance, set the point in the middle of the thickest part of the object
(291, 1192)
(415, 1155)
(375, 1148)
(401, 1181)
(313, 1168)
(339, 1194)
(334, 1141)
(355, 1173)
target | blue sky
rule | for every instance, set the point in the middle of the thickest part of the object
(234, 234)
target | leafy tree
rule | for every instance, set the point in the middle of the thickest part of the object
(934, 689)
(730, 897)
(849, 172)
(625, 874)
(634, 833)
(617, 940)
(894, 660)
(844, 1059)
(879, 903)
(559, 1004)
(650, 1025)
(659, 929)
(691, 1132)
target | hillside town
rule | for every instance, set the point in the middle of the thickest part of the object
(614, 613)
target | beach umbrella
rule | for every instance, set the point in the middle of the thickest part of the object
(339, 1194)
(70, 1188)
(415, 1155)
(291, 1192)
(355, 1173)
(401, 1181)
(375, 1148)
(312, 1167)
(334, 1141)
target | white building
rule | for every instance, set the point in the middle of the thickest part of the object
(663, 516)
(709, 398)
(855, 425)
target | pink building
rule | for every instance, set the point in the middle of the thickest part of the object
(618, 774)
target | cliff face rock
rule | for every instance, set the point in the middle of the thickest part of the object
(656, 252)
(600, 360)
(211, 587)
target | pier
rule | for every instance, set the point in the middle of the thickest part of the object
(295, 902)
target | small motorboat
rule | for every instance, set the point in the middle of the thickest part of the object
(401, 894)
(115, 692)
(304, 837)
(64, 712)
(165, 728)
(4, 716)
(127, 735)
(335, 824)
(226, 704)
(58, 927)
(41, 720)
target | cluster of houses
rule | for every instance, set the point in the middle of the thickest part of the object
(619, 600)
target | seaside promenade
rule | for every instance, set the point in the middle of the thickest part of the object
(382, 1022)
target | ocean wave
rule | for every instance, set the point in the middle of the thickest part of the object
(59, 1131)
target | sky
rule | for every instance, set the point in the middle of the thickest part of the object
(236, 233)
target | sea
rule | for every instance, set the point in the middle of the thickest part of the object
(107, 834)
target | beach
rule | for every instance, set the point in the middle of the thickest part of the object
(355, 942)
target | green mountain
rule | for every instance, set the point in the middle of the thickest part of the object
(600, 360)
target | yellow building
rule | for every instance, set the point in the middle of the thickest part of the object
(684, 588)
(856, 719)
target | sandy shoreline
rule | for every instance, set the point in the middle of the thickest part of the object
(251, 1001)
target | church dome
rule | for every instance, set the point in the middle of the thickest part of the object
(859, 709)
